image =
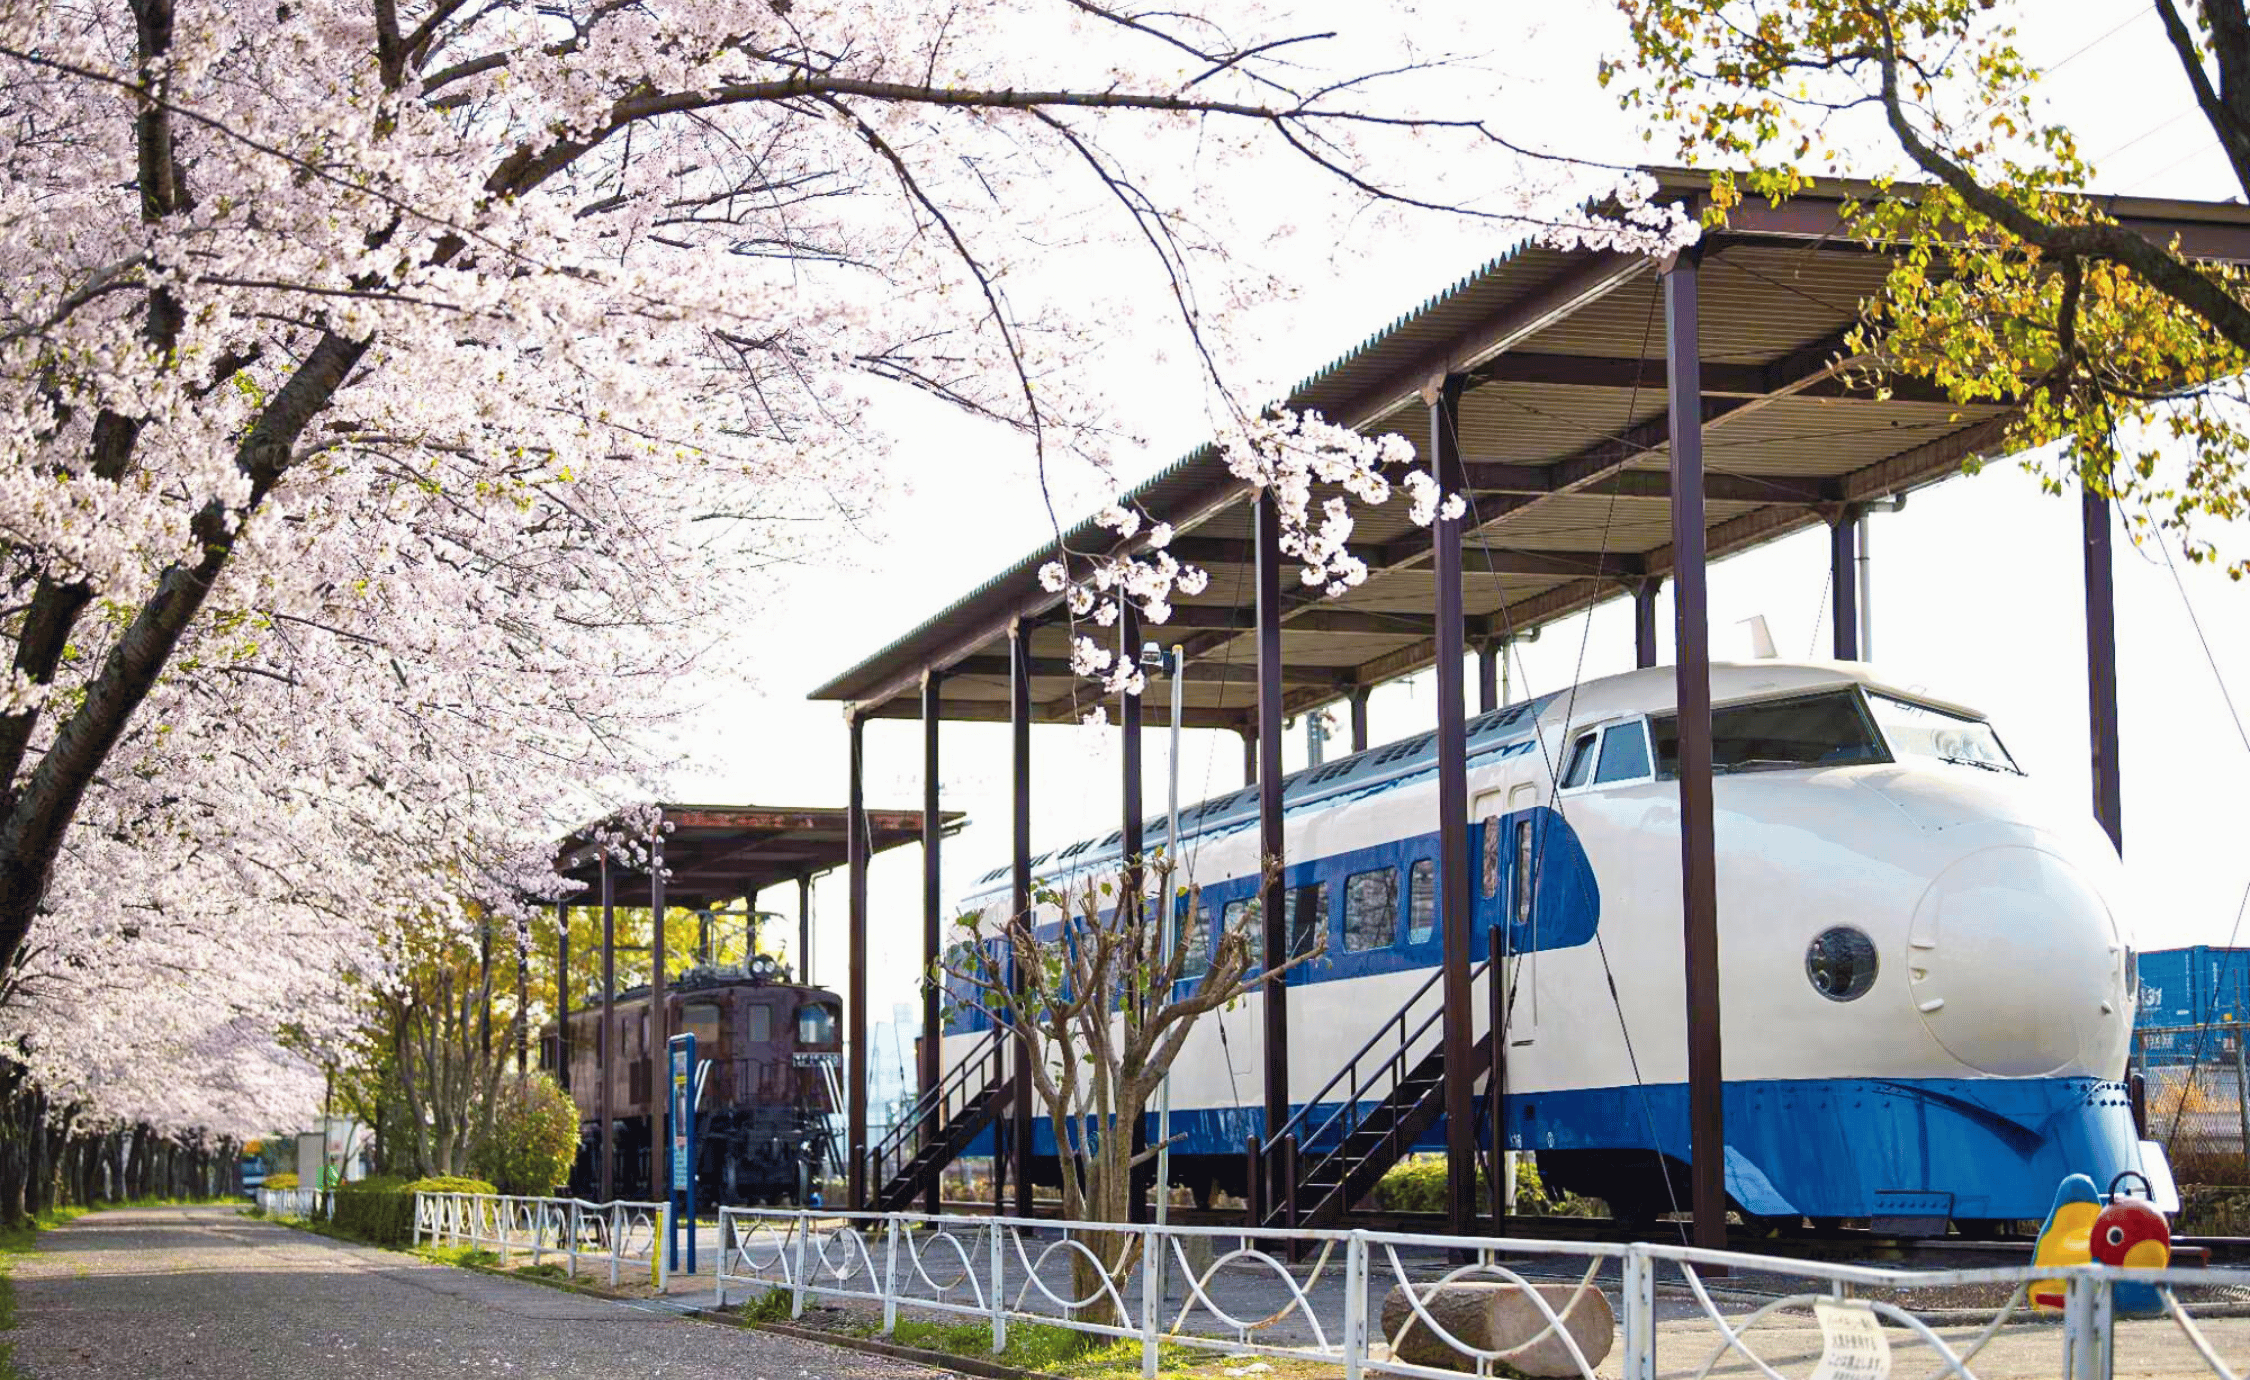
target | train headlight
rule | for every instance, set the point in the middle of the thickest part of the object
(1841, 963)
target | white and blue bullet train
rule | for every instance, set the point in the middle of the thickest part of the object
(1925, 954)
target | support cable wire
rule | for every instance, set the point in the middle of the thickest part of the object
(2218, 979)
(1554, 779)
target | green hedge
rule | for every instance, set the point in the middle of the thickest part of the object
(381, 1209)
(277, 1182)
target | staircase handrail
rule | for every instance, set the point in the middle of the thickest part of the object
(929, 1108)
(1295, 1124)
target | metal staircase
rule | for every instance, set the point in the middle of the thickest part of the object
(1385, 1097)
(940, 1125)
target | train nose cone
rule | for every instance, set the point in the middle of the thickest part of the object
(2012, 962)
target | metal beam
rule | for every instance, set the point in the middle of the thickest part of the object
(1485, 478)
(1130, 843)
(1488, 675)
(659, 1022)
(2101, 666)
(1269, 775)
(562, 994)
(1453, 821)
(1719, 380)
(1358, 701)
(1843, 589)
(804, 928)
(1644, 619)
(1223, 673)
(606, 1045)
(855, 977)
(933, 831)
(1019, 772)
(1692, 679)
(1371, 622)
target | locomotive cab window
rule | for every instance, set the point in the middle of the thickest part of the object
(1830, 729)
(701, 1019)
(760, 1023)
(816, 1024)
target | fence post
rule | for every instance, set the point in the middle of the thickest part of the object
(890, 1274)
(1638, 1297)
(418, 1200)
(2086, 1332)
(797, 1279)
(570, 1252)
(1355, 1304)
(656, 1247)
(616, 1221)
(719, 1271)
(999, 1307)
(1151, 1303)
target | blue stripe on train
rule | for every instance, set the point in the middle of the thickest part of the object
(1817, 1147)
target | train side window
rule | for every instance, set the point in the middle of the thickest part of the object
(1194, 941)
(1523, 872)
(1370, 910)
(1491, 877)
(1581, 761)
(1421, 895)
(1624, 754)
(1243, 916)
(760, 1024)
(1308, 917)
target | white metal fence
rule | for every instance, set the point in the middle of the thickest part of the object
(621, 1234)
(1228, 1290)
(311, 1204)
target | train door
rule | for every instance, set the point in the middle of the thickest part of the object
(1506, 881)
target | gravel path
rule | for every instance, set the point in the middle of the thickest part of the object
(204, 1292)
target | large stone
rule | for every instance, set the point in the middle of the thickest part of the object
(1495, 1316)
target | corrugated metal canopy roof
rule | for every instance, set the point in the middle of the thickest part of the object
(1564, 432)
(715, 853)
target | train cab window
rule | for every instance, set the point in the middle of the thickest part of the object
(1923, 730)
(1421, 895)
(1308, 917)
(1581, 762)
(701, 1019)
(760, 1024)
(1830, 729)
(816, 1024)
(1624, 754)
(1370, 910)
(643, 1046)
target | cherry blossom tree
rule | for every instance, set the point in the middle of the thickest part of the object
(403, 396)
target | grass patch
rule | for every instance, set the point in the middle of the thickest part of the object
(468, 1256)
(1060, 1351)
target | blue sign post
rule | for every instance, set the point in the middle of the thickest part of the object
(681, 1065)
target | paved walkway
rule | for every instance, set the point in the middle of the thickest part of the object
(203, 1292)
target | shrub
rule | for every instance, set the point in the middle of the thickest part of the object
(280, 1181)
(380, 1210)
(534, 1138)
(1417, 1184)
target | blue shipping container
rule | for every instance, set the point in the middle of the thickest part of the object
(2184, 988)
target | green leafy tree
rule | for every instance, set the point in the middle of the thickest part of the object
(2015, 282)
(534, 1137)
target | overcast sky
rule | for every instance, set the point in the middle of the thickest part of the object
(1977, 583)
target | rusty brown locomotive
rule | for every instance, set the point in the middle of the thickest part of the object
(772, 1053)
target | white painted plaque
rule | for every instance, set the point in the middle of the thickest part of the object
(1852, 1345)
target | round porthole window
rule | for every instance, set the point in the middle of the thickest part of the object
(1841, 963)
